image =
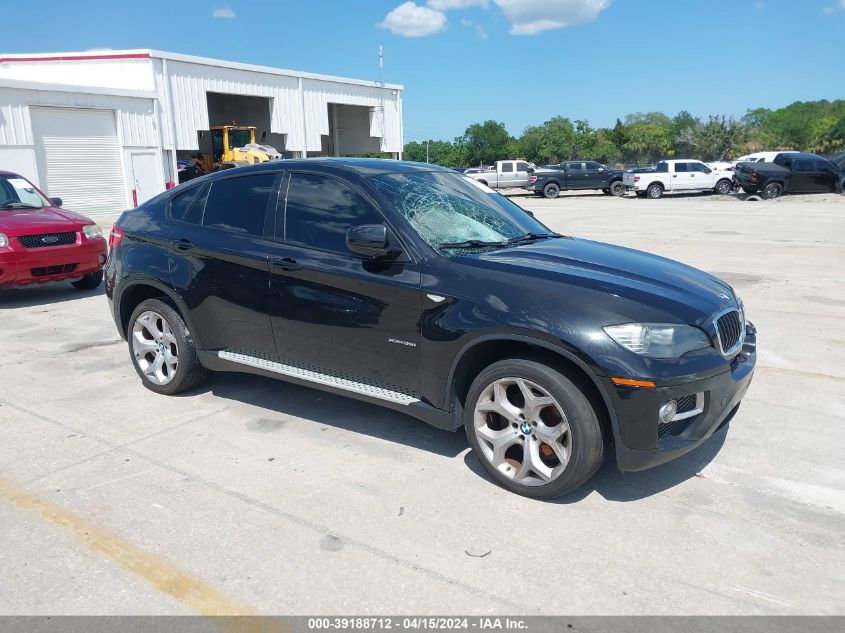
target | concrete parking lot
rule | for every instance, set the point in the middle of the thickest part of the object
(254, 496)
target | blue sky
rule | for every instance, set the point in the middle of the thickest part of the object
(516, 61)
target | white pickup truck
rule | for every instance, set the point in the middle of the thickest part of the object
(505, 174)
(678, 176)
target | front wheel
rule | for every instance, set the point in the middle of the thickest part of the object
(551, 190)
(162, 349)
(617, 188)
(724, 187)
(89, 282)
(655, 191)
(772, 190)
(532, 429)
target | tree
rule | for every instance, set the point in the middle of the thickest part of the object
(717, 139)
(551, 142)
(486, 142)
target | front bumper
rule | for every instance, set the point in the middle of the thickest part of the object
(644, 444)
(21, 266)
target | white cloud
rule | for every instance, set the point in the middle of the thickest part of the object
(529, 17)
(839, 6)
(411, 20)
(223, 12)
(447, 5)
(480, 33)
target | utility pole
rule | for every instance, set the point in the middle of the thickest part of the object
(426, 151)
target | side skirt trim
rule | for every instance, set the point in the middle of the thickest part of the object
(278, 366)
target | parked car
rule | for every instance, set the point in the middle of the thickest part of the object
(762, 157)
(410, 287)
(577, 175)
(790, 172)
(41, 242)
(505, 174)
(678, 176)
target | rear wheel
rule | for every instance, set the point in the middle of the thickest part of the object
(655, 191)
(617, 188)
(89, 282)
(532, 429)
(162, 350)
(772, 190)
(551, 190)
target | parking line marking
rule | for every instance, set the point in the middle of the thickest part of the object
(799, 372)
(168, 578)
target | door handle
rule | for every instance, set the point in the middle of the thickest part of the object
(184, 244)
(285, 263)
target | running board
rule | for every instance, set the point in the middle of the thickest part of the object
(312, 376)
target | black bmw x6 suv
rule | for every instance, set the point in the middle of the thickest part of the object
(418, 289)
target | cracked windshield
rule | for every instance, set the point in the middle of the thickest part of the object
(453, 212)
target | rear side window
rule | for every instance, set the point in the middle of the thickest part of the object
(507, 167)
(681, 167)
(321, 209)
(239, 204)
(182, 207)
(573, 166)
(661, 166)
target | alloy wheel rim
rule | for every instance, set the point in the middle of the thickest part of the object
(155, 348)
(522, 431)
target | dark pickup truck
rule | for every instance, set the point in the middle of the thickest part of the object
(576, 174)
(789, 172)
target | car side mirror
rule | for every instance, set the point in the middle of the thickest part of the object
(708, 171)
(370, 240)
(530, 170)
(601, 170)
(56, 202)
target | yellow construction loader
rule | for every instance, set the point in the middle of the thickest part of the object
(234, 146)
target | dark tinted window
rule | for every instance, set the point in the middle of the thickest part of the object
(239, 204)
(321, 209)
(182, 205)
(697, 166)
(681, 167)
(574, 166)
(507, 167)
(522, 166)
(802, 165)
(593, 166)
(661, 166)
(823, 165)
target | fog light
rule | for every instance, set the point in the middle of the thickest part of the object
(668, 411)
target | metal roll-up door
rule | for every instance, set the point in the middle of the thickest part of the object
(78, 159)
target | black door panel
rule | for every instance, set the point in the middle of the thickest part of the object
(220, 263)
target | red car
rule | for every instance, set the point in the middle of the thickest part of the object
(40, 242)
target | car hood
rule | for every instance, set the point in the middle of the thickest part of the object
(14, 222)
(688, 294)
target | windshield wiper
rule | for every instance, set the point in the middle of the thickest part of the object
(18, 205)
(471, 244)
(528, 237)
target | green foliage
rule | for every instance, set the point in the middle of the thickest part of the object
(717, 139)
(646, 137)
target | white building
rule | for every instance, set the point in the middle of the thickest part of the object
(103, 129)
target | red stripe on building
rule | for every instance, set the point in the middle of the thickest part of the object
(74, 58)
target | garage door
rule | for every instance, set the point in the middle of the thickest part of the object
(78, 159)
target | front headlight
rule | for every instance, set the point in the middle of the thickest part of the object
(4, 241)
(92, 231)
(658, 340)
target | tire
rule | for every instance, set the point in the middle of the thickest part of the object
(749, 189)
(157, 331)
(654, 191)
(551, 190)
(572, 454)
(723, 187)
(617, 188)
(772, 190)
(606, 192)
(89, 282)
